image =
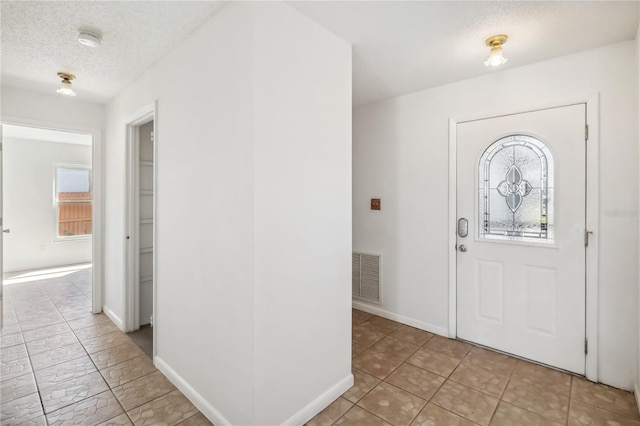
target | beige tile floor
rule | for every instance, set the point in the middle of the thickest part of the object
(406, 376)
(61, 365)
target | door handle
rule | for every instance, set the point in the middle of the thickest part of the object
(462, 248)
(463, 227)
(6, 231)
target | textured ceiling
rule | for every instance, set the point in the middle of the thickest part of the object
(39, 38)
(399, 46)
(405, 46)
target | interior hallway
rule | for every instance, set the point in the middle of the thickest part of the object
(63, 365)
(408, 376)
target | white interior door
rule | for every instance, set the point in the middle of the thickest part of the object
(521, 268)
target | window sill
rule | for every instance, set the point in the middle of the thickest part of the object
(70, 239)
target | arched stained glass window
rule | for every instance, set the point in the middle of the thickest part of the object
(515, 190)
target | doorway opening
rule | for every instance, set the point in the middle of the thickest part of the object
(50, 206)
(140, 238)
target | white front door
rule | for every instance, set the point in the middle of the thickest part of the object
(521, 266)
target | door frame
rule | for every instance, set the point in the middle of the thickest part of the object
(132, 210)
(97, 230)
(592, 221)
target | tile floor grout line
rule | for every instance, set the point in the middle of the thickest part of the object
(524, 408)
(493, 412)
(33, 371)
(363, 408)
(110, 388)
(44, 413)
(384, 380)
(88, 296)
(532, 412)
(363, 396)
(426, 402)
(90, 359)
(396, 356)
(570, 401)
(153, 399)
(625, 416)
(500, 400)
(414, 394)
(474, 389)
(459, 415)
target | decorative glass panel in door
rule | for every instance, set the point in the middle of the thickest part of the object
(515, 190)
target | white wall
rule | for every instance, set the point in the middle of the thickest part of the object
(28, 175)
(253, 213)
(204, 219)
(302, 212)
(62, 112)
(401, 155)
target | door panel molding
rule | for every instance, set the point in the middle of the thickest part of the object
(591, 220)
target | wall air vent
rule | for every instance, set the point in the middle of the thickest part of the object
(365, 276)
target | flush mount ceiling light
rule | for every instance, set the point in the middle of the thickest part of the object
(89, 39)
(495, 56)
(65, 86)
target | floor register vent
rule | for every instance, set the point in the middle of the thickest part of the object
(365, 277)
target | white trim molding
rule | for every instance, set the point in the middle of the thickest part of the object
(113, 317)
(130, 241)
(592, 222)
(217, 418)
(209, 411)
(320, 403)
(453, 240)
(442, 331)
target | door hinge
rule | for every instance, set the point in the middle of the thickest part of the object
(586, 346)
(586, 132)
(152, 137)
(586, 237)
(151, 320)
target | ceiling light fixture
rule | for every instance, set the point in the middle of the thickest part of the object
(495, 56)
(89, 39)
(65, 86)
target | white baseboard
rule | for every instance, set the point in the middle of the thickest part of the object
(636, 393)
(321, 402)
(196, 399)
(210, 412)
(113, 317)
(442, 331)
